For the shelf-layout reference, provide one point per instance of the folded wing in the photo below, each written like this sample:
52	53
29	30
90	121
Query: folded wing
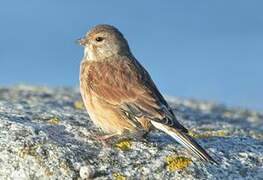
127	85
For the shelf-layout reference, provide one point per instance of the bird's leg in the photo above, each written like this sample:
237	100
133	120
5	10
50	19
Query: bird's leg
104	138
138	136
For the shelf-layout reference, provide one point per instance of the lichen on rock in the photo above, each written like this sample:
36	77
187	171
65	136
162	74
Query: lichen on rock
124	145
174	163
45	133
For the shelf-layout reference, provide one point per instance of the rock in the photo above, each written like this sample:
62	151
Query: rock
46	134
86	172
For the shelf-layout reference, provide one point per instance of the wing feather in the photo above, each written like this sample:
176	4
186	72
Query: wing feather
125	84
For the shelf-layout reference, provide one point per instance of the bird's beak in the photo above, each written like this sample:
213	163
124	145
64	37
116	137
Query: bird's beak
81	41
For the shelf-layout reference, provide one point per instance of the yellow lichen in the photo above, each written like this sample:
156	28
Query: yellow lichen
118	176
174	163
78	105
64	167
48	172
53	121
124	145
221	133
208	134
31	150
256	135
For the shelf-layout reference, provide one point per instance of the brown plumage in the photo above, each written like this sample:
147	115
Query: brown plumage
120	95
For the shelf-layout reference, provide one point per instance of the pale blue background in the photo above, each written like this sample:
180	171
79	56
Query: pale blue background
207	49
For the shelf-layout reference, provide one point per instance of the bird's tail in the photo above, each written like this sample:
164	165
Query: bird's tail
186	140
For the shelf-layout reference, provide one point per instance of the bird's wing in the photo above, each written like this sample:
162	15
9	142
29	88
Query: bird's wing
127	85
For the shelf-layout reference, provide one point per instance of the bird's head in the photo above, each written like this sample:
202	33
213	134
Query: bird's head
103	41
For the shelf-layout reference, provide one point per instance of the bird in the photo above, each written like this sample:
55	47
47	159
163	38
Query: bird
120	95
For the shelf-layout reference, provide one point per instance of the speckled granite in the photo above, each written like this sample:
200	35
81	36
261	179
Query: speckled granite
46	134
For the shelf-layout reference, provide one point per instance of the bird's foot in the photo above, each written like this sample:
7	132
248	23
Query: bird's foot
104	139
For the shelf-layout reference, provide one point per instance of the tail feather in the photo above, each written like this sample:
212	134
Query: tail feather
186	140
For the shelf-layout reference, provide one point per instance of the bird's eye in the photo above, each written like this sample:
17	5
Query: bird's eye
99	39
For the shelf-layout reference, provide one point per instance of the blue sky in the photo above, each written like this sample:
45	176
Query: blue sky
209	50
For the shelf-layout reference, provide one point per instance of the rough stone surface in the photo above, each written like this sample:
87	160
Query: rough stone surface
45	134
